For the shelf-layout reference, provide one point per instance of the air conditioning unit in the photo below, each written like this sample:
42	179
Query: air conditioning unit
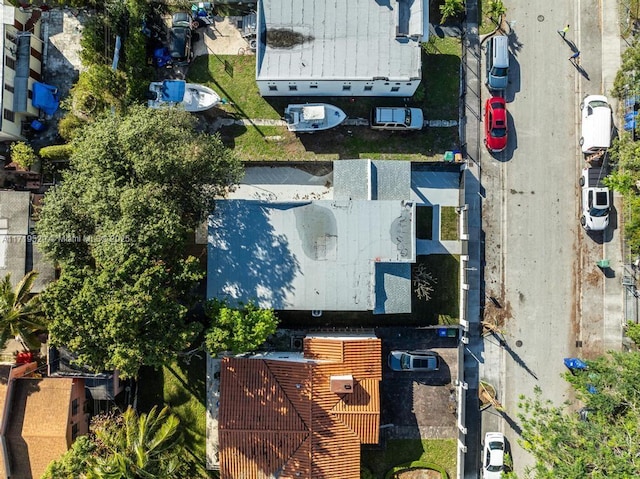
342	384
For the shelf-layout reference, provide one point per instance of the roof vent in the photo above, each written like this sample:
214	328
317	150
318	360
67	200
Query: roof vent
342	384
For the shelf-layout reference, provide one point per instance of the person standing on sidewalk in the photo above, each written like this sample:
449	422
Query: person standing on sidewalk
563	32
575	58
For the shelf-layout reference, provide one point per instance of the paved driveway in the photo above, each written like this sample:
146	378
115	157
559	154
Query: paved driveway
419	405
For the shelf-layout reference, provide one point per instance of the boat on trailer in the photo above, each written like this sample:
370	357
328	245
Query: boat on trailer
178	93
312	117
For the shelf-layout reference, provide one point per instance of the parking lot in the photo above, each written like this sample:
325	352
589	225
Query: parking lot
419	405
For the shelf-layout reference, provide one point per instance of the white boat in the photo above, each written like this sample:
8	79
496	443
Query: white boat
178	93
313	117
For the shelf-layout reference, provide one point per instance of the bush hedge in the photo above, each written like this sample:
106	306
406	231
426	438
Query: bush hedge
56	152
69	125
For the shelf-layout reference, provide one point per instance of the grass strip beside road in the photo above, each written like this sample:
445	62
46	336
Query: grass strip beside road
448	223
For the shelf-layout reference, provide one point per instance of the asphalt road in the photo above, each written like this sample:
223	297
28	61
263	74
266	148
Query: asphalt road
540	264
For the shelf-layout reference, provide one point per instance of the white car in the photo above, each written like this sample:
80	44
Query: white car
596	124
596	202
493	455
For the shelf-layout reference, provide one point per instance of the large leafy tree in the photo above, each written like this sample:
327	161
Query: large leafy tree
20	311
137	187
237	330
131	446
603	445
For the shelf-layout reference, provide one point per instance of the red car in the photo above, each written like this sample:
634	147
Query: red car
495	124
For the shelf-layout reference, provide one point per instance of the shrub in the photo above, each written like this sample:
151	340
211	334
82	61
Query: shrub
92	43
22	154
81	3
97	89
366	473
451	8
138	72
633	332
69	125
56	152
496	9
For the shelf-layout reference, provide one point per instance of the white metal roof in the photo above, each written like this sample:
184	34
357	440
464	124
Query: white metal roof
342	39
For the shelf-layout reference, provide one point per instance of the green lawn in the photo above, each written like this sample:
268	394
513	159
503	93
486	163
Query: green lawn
441	73
448	223
445	297
439	451
182	387
233	77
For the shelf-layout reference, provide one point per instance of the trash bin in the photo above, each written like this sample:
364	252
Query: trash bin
37	125
448	156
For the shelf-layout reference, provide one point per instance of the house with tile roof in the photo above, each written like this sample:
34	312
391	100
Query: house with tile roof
41	417
340	48
300	415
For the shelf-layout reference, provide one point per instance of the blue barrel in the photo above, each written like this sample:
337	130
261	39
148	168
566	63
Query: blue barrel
37	125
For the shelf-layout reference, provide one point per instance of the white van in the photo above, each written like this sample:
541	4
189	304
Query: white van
498	62
596	124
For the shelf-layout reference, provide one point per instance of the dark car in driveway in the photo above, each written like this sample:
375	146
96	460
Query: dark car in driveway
180	38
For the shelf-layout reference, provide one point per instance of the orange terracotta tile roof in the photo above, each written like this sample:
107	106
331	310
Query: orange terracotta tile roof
279	418
4	378
37	428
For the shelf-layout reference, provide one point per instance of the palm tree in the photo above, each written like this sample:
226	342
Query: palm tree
147	446
21	315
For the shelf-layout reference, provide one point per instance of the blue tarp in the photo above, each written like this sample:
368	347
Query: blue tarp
161	56
173	90
575	363
46	98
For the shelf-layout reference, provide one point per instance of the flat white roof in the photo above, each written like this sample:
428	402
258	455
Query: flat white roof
340	40
306	255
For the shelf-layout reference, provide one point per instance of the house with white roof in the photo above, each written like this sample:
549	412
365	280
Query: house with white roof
341	48
351	250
